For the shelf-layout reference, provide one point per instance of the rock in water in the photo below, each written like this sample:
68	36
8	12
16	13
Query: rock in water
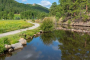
7	46
17	46
22	41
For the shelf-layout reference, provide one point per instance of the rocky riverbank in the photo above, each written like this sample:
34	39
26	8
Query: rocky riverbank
74	22
20	44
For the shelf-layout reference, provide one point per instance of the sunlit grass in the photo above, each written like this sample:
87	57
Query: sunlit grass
12	39
10	25
16	15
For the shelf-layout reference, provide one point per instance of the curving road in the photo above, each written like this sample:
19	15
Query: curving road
18	31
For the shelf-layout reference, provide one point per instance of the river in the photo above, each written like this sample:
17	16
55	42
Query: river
58	45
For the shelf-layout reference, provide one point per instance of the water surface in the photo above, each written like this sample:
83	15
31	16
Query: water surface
58	45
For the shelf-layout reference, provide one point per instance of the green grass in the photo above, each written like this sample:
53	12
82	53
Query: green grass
16	15
10	25
12	39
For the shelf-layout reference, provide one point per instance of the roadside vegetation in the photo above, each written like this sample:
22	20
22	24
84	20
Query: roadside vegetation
10	25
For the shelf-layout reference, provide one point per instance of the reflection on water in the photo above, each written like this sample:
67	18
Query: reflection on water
58	45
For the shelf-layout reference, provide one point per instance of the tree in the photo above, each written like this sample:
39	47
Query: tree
5	15
53	9
11	15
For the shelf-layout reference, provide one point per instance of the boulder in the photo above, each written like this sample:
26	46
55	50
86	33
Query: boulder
17	46
11	49
22	41
34	34
41	31
7	46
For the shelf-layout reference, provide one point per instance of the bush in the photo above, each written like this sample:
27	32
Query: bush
17	18
47	25
33	20
2	48
85	17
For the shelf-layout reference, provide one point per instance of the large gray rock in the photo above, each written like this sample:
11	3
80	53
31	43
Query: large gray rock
17	46
22	41
7	46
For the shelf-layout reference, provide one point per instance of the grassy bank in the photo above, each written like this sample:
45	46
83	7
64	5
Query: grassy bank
14	38
10	25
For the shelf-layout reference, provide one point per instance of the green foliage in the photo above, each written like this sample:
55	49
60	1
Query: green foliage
58	16
33	20
47	25
11	25
42	15
33	15
16	7
70	9
11	15
5	15
17	18
85	17
10	7
12	39
69	22
53	9
2	48
28	14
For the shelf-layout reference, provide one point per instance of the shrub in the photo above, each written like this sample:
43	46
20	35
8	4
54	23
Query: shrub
2	48
85	17
17	18
33	20
47	25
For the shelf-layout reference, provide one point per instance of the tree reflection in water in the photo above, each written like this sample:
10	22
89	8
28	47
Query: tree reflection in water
75	46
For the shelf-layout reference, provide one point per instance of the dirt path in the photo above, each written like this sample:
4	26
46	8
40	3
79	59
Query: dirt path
18	31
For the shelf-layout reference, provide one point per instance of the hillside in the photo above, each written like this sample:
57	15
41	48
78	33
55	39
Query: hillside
16	7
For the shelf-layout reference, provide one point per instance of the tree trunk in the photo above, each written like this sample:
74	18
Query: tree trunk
86	6
74	7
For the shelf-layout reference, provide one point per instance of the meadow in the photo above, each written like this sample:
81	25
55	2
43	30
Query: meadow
10	25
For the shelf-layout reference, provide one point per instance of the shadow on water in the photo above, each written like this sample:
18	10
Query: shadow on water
58	45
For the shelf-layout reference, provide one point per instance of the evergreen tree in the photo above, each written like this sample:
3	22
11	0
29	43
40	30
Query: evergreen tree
53	9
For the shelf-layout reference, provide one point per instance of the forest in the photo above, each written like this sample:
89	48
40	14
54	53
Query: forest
10	7
72	10
77	10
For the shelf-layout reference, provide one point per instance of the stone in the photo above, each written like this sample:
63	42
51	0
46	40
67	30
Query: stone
34	34
17	46
38	33
41	31
7	46
11	49
22	41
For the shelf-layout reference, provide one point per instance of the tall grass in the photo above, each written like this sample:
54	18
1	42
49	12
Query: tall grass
10	25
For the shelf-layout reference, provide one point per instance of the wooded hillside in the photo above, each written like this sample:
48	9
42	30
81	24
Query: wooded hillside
14	6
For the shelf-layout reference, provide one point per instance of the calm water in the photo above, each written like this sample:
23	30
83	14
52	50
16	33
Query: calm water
58	45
